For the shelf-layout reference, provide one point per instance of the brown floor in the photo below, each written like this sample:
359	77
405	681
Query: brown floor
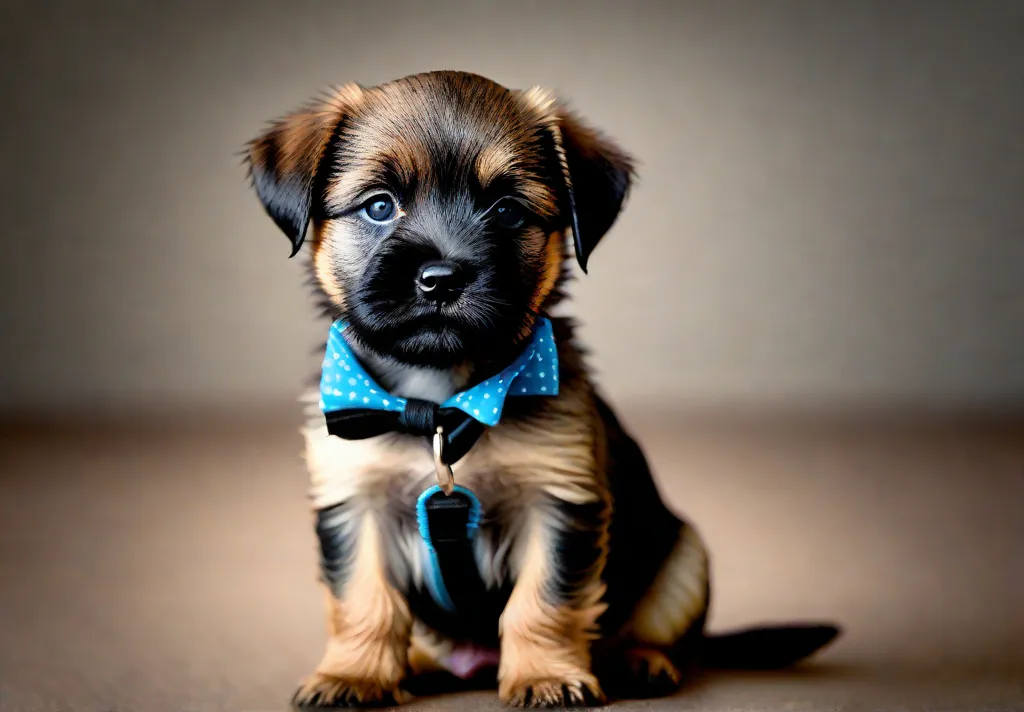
174	570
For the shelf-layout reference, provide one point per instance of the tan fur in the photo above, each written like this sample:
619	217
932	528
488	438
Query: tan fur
305	133
543	647
323	259
343	470
348	186
295	144
493	161
368	632
540	100
384	134
552	449
678	596
554	454
554	256
427	650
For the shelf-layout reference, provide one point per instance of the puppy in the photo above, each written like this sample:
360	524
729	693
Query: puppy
479	508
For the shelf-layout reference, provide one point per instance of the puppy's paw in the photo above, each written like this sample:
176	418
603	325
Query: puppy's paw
321	691
644	673
575	691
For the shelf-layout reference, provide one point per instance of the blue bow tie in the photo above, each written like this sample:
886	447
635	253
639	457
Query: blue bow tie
356	407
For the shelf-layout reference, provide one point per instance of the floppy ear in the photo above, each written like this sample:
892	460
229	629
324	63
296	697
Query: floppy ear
286	163
598	175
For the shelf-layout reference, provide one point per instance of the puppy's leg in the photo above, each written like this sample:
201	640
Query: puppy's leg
368	621
667	625
550	619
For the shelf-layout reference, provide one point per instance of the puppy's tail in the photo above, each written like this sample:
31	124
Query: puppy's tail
765	647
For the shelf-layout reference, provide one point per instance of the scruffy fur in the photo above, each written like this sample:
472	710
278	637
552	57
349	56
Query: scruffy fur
594	587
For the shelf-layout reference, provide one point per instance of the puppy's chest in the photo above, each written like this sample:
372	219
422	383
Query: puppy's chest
389	473
501	488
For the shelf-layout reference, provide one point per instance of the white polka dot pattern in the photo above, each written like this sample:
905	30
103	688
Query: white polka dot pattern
343	382
345	385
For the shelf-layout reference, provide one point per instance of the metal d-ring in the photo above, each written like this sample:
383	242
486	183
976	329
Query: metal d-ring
445	476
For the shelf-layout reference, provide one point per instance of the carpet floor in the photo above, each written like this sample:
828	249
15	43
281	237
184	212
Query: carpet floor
174	569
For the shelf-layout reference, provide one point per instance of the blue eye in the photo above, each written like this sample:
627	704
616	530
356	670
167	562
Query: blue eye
509	214
379	208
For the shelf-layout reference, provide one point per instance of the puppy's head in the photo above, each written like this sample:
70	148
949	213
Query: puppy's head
438	206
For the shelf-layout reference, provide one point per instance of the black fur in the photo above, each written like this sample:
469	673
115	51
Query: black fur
392	316
600	176
447	216
643	530
765	647
337	539
577	548
292	197
476	618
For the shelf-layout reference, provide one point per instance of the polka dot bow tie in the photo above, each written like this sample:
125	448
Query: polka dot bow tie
355	407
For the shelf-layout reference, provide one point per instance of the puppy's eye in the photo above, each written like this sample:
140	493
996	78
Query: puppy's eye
508	213
379	208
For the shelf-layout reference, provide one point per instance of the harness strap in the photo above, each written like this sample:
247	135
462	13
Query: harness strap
448	525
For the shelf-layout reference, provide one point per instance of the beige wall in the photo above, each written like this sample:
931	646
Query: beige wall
831	205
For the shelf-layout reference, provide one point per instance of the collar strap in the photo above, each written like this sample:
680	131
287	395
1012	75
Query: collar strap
420	417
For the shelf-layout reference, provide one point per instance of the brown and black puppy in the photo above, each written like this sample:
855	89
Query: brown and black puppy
437	210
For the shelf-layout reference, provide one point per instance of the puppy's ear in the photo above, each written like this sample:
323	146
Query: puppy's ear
598	175
286	163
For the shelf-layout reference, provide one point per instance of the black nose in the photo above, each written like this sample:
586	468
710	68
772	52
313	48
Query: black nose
440	280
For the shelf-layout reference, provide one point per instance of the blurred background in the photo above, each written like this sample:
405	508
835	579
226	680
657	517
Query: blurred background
811	311
829	207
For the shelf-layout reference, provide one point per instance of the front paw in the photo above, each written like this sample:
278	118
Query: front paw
643	673
580	690
326	691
